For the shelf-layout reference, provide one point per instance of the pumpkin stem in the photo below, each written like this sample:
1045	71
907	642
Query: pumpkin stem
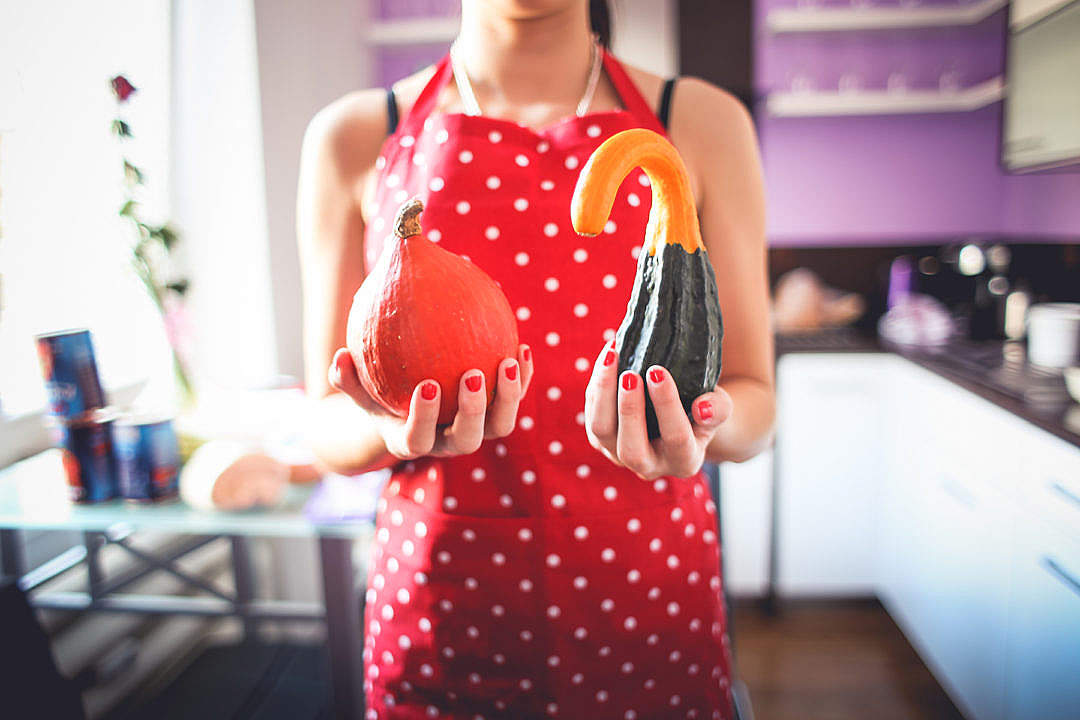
672	219
407	221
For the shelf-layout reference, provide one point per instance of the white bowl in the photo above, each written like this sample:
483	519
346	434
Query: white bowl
1072	382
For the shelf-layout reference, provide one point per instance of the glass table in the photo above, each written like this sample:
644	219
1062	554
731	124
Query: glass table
33	495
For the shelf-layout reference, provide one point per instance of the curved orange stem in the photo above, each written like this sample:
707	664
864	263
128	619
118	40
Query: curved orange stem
672	218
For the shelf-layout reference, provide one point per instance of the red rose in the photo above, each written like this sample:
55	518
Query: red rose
122	88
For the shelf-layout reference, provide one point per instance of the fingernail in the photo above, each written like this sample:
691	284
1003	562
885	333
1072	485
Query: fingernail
527	354
428	391
705	410
511	372
609	357
629	381
656	375
473	383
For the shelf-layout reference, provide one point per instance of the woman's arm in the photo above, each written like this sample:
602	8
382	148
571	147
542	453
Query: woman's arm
715	134
338	156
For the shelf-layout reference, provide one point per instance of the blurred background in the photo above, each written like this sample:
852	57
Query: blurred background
909	547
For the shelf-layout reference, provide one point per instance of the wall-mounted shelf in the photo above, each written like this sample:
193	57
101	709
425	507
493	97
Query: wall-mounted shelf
412	32
837	19
885	102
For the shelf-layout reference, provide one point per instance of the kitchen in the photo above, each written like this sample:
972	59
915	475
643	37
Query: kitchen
924	480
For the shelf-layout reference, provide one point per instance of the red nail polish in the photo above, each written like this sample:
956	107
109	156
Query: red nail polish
629	381
656	375
527	354
609	357
473	383
705	410
428	391
511	372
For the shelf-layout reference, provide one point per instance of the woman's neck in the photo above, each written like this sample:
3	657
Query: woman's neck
517	65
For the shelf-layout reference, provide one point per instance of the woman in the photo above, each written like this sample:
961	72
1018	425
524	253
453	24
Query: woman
539	558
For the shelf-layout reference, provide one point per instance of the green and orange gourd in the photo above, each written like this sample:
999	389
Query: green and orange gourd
425	313
673	317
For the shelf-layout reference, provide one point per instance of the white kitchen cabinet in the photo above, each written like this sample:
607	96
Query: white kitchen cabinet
831	448
1043	652
746	521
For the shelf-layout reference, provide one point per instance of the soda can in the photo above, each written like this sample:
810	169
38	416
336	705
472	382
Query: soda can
70	370
87	446
148	456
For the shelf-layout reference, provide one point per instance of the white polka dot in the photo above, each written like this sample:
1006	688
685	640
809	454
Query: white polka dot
543	146
521	204
401	196
581	364
448	652
583	471
380	162
580	418
419	159
378	223
577	678
675	655
608	334
558	501
407	140
552	339
633	199
675	700
581	310
378	581
633	576
655	544
581	255
551	284
493	182
676	514
593	131
607	555
442	136
708	536
474	678
528	477
522	259
635	251
581	532
444	557
463	207
495	136
434	235
419	494
581	633
498	610
609	281
387	613
654	593
695	625
526	635
383	535
601	696
551	229
505	500
580	582
693	669
449	502
571	162
693	578
610	493
651	640
392	180
501	450
553	560
387	657
403	596
643	180
420	578
392	565
498	559
547	185
432	474
714	583
610	227
630	715
408	548
554	612
465	156
555	447
521	161
526	422
426	670
525	684
424	624
420	529
525	534
660	485
633	525
471	583
478	474
396	518
554	393
472	631
436	184
673	608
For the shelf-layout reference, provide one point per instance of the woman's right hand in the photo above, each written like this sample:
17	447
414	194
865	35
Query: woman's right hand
418	434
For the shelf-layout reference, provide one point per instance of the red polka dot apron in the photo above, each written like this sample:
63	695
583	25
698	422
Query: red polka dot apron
533	578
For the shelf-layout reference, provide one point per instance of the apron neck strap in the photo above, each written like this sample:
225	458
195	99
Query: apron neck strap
428	98
631	97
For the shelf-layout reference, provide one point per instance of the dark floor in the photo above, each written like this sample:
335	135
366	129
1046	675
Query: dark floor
833	661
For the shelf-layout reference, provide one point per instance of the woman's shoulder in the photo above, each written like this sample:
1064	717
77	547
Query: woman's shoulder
695	103
350	130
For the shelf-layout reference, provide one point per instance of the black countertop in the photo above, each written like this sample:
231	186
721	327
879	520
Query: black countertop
995	371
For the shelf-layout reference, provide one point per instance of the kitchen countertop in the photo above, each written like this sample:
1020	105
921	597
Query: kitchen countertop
995	371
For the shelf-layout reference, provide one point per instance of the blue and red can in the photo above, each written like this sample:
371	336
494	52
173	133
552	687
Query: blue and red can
70	370
87	446
148	458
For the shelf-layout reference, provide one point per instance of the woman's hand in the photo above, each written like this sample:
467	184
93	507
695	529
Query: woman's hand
615	420
418	435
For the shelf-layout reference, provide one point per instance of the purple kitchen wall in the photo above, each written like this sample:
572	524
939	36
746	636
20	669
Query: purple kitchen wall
890	179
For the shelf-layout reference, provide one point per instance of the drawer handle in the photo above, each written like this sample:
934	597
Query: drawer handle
1061	574
1067	493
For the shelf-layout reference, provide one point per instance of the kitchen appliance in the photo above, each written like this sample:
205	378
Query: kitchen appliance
1054	334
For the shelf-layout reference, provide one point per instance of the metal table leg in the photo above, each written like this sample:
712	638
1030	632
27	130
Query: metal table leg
344	628
243	578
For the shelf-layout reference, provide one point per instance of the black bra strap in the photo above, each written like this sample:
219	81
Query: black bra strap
664	112
391	112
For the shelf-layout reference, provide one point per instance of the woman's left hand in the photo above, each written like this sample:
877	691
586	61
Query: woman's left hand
615	419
